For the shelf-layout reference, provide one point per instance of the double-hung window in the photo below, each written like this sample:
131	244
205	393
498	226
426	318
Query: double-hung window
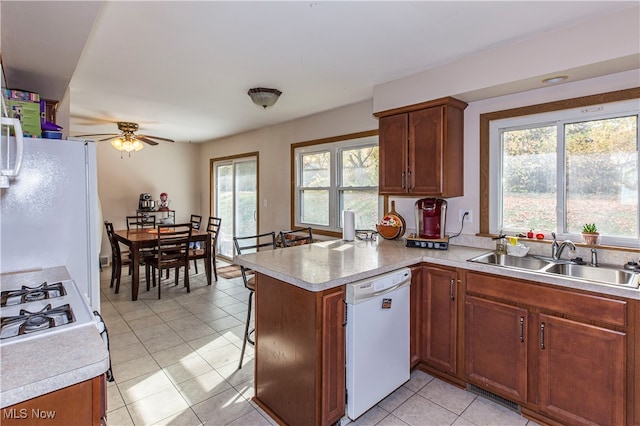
330	177
559	170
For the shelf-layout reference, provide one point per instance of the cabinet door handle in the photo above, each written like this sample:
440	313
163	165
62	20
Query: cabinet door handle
541	335
522	329
452	293
402	183
409	179
344	324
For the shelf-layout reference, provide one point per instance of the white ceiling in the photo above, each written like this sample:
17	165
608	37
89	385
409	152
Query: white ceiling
182	69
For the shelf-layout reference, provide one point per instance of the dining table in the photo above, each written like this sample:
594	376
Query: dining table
138	239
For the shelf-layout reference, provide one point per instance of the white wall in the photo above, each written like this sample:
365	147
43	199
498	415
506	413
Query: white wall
274	145
166	167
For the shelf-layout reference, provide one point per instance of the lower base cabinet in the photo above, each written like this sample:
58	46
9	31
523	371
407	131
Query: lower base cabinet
84	403
559	354
300	353
582	372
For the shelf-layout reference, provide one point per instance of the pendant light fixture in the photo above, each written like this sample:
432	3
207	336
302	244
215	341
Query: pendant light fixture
264	97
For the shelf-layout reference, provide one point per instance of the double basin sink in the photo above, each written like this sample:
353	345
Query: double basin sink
599	274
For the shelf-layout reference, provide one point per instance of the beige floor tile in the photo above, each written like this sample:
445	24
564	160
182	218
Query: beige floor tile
482	411
417	380
225	300
419	411
203	387
228	354
114	399
134	368
211	314
157	407
183	418
448	396
252	418
461	421
175	313
159	343
173	354
235	308
208	343
117	327
225	323
153	329
236	377
127	353
396	399
187	368
137	314
144	386
371	417
222	409
119	417
122	340
391	420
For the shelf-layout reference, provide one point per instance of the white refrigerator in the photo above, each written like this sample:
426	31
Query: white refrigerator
49	214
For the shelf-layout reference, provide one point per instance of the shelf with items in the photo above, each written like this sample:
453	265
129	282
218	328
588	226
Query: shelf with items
162	216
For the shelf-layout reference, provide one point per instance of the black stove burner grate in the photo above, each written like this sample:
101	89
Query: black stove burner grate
30	294
28	322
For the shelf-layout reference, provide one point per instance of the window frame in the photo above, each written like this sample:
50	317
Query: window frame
335	145
489	170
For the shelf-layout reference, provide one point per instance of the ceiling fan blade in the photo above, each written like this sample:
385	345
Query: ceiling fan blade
109	138
156	137
97	134
146	140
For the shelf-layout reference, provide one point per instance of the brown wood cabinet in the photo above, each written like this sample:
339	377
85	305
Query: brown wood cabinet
496	353
421	149
561	354
415	310
439	318
84	403
300	352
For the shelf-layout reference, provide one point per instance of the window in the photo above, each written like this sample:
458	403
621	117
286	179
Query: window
558	170
335	175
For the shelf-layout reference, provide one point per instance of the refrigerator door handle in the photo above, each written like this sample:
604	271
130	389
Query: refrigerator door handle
15	123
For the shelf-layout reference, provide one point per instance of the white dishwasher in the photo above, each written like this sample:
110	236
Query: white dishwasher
377	339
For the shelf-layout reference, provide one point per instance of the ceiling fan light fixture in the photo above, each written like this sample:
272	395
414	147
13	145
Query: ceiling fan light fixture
264	97
117	144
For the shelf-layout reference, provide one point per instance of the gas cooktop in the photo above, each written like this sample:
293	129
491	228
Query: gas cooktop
31	311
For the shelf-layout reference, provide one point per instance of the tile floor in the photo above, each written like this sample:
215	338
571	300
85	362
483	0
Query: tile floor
175	363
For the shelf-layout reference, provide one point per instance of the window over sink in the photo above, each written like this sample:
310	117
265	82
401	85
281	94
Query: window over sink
557	169
336	174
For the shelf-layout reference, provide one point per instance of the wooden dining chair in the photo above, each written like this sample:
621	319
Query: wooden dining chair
173	252
119	258
141	221
196	253
245	245
296	237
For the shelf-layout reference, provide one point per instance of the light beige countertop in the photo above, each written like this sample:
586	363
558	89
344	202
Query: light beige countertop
328	264
35	367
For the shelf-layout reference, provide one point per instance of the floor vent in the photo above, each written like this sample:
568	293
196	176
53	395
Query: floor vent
493	397
104	260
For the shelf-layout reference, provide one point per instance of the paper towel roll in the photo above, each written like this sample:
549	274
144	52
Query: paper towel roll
348	225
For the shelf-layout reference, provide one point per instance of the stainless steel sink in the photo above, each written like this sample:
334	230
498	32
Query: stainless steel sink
527	262
599	274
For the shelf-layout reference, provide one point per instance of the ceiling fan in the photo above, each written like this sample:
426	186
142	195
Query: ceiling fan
127	140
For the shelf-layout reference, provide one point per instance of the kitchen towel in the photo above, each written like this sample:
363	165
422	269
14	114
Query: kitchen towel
348	225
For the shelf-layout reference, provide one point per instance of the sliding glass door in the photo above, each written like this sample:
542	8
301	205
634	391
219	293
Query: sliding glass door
235	200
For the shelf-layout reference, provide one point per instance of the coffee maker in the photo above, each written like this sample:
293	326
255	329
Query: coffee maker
146	204
431	215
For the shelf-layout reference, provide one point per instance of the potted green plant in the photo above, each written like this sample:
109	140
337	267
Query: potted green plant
590	233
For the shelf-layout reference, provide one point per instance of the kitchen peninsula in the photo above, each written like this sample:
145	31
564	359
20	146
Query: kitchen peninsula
300	337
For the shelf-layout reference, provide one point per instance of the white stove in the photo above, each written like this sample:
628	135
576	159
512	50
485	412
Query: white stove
30	311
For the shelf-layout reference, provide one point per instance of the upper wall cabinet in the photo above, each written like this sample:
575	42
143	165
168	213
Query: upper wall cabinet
421	149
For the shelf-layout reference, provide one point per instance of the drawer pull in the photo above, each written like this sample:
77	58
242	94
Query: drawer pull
541	335
402	183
